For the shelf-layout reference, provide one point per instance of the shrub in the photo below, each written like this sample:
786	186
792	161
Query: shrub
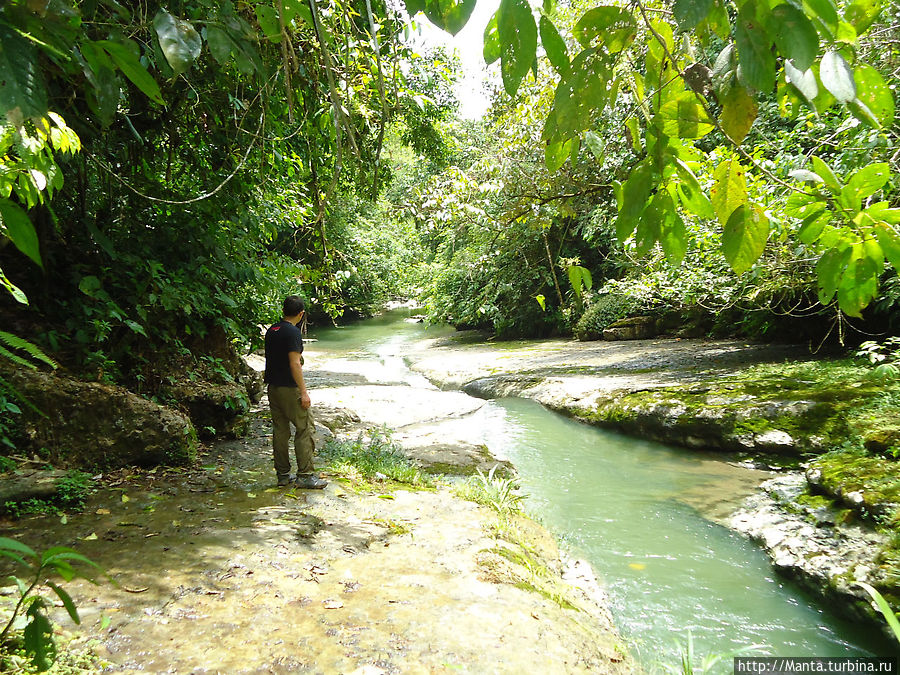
603	311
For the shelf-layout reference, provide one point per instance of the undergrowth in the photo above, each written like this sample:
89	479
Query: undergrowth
373	461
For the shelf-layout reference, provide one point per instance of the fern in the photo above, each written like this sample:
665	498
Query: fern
15	342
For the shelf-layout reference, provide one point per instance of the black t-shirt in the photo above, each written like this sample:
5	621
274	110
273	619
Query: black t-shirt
281	339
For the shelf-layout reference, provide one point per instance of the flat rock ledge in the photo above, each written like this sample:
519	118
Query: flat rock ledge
630	387
824	557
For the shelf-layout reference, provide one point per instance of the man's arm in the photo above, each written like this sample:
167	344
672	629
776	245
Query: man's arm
297	372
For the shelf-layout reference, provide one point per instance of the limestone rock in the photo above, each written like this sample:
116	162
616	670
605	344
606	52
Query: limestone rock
213	408
633	328
98	425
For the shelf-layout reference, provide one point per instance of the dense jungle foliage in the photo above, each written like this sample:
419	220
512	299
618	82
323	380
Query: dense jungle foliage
727	167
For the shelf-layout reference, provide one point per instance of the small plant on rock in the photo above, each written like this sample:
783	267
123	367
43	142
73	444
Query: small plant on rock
492	490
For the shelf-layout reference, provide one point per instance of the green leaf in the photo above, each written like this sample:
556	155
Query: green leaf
542	301
730	189
90	285
754	48
672	233
744	238
813	224
837	77
691	194
518	42
491	41
858	286
554	47
723	72
635	193
268	21
131	67
862	13
803	80
872	92
614	26
794	34
556	152
739	111
136	327
829	270
826	11
890	243
66	601
7	544
33	351
38	638
595	145
17	293
684	117
21	83
688	13
868	180
578	96
579	277
220	45
634	133
178	40
17	226
823	170
450	15
882	211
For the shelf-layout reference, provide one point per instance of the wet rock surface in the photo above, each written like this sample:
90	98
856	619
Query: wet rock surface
629	387
228	573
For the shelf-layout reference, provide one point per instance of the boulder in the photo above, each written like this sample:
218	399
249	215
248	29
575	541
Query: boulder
215	409
632	328
91	424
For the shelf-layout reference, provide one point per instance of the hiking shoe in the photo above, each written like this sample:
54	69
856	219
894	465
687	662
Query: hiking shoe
284	480
308	481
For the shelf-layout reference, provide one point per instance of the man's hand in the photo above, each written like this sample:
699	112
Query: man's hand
305	403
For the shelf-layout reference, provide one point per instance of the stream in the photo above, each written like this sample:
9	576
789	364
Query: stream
642	514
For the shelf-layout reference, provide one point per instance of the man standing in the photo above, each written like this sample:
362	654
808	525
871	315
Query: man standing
288	398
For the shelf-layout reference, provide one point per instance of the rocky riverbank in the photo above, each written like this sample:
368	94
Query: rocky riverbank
768	405
219	571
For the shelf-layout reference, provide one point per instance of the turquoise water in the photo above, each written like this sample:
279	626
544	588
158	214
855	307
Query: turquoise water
634	509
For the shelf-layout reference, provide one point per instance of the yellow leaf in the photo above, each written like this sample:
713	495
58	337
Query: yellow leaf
637	566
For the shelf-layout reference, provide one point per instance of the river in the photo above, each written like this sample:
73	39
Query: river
639	512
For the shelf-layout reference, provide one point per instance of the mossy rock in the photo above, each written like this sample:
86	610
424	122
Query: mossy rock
89	424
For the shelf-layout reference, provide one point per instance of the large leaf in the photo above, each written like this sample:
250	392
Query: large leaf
578	96
823	170
803	80
730	189
556	152
268	21
129	64
450	15
21	85
99	69
685	117
858	285
688	13
220	45
178	40
554	46
875	95
868	180
672	232
739	111
491	49
890	243
754	48
829	271
837	77
17	226
518	42
635	193
614	26
794	35
744	237
9	544
861	13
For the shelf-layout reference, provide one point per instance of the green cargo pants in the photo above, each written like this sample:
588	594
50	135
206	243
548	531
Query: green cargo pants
284	402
